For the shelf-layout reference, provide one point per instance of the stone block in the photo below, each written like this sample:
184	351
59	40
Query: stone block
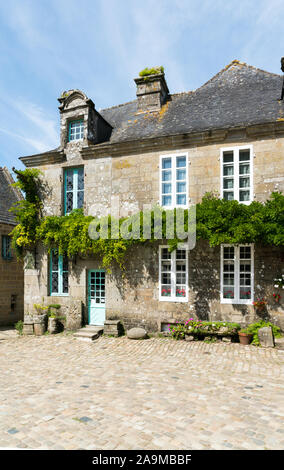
39	329
28	329
136	333
266	338
189	338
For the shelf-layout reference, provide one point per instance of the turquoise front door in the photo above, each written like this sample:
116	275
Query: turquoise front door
96	296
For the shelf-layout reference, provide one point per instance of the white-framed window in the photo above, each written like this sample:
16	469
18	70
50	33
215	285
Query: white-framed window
174	180
237	274
173	275
237	173
76	130
59	271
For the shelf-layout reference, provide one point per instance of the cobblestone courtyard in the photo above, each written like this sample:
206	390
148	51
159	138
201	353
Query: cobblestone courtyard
60	393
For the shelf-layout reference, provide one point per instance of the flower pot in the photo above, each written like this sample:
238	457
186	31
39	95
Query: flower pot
245	338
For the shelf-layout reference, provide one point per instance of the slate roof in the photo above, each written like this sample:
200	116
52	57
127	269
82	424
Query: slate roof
8	196
239	95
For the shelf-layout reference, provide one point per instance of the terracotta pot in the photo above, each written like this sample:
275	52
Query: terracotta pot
245	338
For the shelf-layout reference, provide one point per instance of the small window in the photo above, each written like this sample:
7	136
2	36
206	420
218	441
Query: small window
58	274
236	174
174	181
76	130
6	247
173	275
237	274
73	189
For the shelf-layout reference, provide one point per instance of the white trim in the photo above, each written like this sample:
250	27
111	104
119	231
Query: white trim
174	181
237	300
173	277
236	188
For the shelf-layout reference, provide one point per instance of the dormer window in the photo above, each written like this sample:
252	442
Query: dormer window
76	130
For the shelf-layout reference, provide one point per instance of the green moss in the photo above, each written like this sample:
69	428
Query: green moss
151	71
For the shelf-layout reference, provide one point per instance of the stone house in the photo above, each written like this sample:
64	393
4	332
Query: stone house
11	270
227	137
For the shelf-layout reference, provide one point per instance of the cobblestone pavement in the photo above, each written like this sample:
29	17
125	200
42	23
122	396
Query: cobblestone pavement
60	393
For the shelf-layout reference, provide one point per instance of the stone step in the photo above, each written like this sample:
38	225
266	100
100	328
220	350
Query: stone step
89	333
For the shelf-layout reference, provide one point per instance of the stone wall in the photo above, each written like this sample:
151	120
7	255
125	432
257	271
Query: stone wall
131	182
11	285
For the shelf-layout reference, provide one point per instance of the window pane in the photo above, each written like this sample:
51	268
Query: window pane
228	195
244	195
54	283
245	293
69	202
180	254
80	179
166	200
166	278
166	290
166	175
228	183
181	187
228	157
180	278
65	283
166	254
166	163
229	252
244	155
228	293
54	261
181	174
244	182
181	291
181	199
228	279
69	180
80	200
228	170
244	168
181	162
166	188
245	252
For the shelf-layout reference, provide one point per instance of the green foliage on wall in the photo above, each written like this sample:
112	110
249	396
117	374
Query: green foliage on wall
217	221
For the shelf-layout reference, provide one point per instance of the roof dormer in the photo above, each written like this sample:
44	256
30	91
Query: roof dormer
80	123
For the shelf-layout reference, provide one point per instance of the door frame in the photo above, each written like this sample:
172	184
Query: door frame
89	271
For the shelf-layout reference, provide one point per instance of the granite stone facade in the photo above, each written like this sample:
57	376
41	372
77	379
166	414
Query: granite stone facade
122	173
11	270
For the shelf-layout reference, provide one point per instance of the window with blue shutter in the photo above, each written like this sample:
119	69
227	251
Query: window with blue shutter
73	189
6	247
76	130
58	274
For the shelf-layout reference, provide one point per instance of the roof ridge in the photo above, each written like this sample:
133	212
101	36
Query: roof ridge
231	64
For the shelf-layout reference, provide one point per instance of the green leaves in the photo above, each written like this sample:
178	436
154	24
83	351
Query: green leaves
217	220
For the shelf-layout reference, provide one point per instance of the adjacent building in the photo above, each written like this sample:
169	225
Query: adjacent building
169	149
11	270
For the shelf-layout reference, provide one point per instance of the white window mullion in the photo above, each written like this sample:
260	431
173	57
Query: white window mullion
237	274
173	273
236	175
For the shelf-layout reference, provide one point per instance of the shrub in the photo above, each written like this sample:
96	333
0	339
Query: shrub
253	328
200	328
19	327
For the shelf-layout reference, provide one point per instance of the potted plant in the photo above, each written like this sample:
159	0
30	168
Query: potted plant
245	336
259	305
53	319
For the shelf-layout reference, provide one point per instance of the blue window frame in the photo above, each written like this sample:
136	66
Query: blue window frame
58	274
6	247
76	130
73	189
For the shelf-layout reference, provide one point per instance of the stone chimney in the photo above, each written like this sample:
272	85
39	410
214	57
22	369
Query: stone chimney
152	92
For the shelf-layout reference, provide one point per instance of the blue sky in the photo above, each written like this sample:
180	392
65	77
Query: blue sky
99	46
